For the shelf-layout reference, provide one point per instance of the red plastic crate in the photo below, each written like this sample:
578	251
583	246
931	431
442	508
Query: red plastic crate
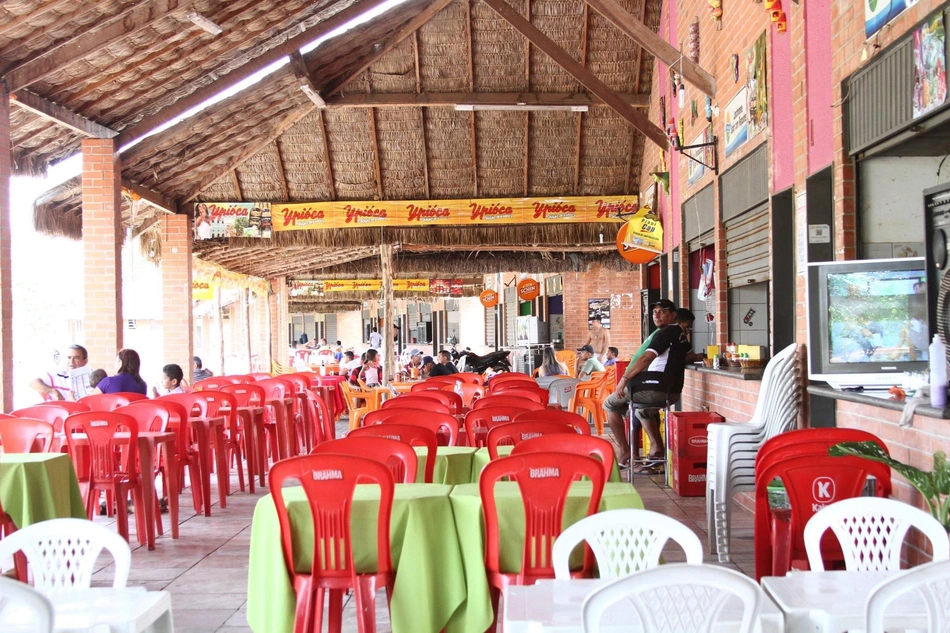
688	432
689	476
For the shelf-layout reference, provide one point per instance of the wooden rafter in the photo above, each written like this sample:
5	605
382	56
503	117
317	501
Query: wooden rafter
660	48
471	90
630	148
299	68
371	113
587	78
284	125
527	48
448	99
58	114
580	120
238	75
422	114
280	170
39	11
527	143
474	160
415	59
326	155
153	197
237	185
381	48
119	27
638	74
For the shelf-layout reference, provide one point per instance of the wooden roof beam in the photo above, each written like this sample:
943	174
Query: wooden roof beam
326	155
381	48
660	48
43	9
58	114
280	168
636	118
238	75
151	196
449	99
119	27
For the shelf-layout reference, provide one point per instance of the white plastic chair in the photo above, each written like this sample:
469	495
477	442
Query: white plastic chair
63	553
15	595
624	542
732	447
676	598
871	532
931	581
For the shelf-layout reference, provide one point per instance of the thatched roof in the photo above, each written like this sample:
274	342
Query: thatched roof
134	64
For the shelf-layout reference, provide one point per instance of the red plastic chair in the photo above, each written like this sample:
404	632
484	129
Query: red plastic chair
110	401
501	380
233	431
412	402
470	378
445	426
514	433
72	407
812	480
8	527
111	465
478	422
470	393
251	395
312	376
195	407
449	398
556	415
216	382
508	401
276	390
540	396
507	385
53	414
411	434
588	445
258	375
329	482
323	430
398	456
26	435
544	480
432	384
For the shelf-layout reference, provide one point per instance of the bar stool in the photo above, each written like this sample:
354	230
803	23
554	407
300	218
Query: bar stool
634	427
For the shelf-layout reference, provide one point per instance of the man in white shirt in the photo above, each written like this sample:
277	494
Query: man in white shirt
349	363
57	384
375	339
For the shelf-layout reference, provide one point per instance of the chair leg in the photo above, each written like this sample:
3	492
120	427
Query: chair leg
336	611
495	593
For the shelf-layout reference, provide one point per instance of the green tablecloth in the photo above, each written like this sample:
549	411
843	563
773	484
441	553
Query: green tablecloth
429	586
481	459
475	615
35	487
453	465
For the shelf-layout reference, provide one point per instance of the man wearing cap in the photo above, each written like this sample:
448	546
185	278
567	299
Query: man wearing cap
648	358
415	361
587	363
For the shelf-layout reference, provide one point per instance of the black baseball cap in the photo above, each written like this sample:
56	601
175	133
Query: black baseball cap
586	348
666	304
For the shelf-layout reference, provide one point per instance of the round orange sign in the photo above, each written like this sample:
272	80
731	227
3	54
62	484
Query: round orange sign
528	289
489	298
632	255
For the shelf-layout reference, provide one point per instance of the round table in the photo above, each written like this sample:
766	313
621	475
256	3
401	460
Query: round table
36	487
453	465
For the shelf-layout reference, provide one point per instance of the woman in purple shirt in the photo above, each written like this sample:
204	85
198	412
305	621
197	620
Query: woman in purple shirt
127	377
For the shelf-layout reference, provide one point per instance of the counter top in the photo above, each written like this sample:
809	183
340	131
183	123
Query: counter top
875	399
737	373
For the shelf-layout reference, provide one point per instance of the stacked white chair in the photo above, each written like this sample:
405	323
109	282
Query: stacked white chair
29	604
931	581
730	458
624	542
871	532
677	597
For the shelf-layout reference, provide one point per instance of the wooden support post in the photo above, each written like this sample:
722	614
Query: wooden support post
386	272
219	314
247	327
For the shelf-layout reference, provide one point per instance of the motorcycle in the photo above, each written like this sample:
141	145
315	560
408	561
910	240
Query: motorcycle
496	361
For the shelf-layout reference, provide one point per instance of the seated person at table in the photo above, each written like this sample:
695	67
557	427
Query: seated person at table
587	363
172	375
96	376
199	373
550	365
127	378
428	364
415	361
444	366
349	363
612	354
370	374
56	384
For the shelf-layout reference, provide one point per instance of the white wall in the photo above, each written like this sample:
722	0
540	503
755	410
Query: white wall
349	328
891	203
472	324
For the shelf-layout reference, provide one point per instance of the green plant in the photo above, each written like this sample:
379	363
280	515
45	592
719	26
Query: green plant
933	485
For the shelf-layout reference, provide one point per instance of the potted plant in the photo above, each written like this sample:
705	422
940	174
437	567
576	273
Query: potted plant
934	485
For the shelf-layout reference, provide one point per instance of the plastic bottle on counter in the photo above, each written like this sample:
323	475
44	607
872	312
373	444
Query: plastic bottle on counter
938	373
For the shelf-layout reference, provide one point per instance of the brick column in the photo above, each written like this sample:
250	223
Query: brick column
6	280
177	320
102	244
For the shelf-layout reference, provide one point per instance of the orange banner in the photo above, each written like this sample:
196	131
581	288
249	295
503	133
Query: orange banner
304	217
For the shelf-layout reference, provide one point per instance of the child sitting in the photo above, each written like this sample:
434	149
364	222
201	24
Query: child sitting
95	376
172	376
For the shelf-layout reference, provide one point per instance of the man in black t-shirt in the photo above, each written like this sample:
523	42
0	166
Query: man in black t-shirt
444	367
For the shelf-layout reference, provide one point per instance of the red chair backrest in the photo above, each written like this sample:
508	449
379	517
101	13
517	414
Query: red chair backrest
109	401
216	382
412	402
177	414
151	415
812	480
318	412
517	402
328	482
556	415
246	395
218	399
508	385
195	404
72	407
445	426
470	393
276	388
478	422
399	457
312	376
300	383
501	380
50	413
411	434
100	428
26	435
449	398
540	396
575	444
544	480
432	384
514	433
258	375
470	378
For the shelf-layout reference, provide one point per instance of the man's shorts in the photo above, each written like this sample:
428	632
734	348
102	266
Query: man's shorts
658	399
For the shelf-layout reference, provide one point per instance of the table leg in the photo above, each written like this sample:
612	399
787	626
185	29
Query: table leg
204	463
250	446
147	469
172	485
221	464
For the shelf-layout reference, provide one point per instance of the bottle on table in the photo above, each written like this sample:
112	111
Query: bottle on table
938	372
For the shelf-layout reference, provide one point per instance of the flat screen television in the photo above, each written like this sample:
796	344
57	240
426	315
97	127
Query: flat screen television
867	321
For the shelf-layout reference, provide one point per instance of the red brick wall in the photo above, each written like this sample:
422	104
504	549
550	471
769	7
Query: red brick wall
599	283
102	242
177	320
6	281
730	397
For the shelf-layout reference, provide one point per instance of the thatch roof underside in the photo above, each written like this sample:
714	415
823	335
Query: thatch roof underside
134	63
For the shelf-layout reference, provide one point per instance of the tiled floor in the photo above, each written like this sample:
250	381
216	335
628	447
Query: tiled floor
206	568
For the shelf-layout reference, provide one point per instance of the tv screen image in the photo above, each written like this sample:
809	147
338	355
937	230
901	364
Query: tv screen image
877	316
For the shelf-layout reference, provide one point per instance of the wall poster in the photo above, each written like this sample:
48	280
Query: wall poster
598	308
877	13
737	121
757	83
930	66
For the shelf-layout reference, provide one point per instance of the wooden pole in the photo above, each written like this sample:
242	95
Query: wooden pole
386	270
247	327
219	313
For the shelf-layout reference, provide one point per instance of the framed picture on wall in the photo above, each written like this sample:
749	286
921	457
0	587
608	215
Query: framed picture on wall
598	308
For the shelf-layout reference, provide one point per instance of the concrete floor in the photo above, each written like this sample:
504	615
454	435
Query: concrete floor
206	568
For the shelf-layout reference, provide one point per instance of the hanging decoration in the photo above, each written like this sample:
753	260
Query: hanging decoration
692	41
641	238
715	8
528	289
777	15
488	298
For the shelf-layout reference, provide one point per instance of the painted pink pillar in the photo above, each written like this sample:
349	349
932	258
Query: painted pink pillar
819	87
783	125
